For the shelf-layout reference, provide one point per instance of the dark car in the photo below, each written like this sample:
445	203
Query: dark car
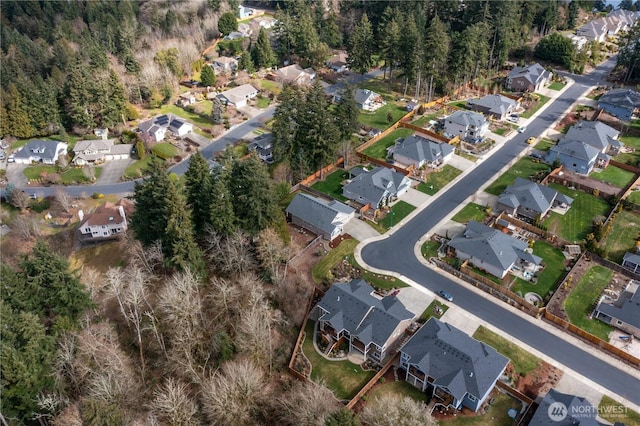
445	295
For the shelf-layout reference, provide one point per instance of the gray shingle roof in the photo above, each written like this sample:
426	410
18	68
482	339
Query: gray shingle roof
324	215
595	133
625	98
579	411
351	306
497	104
467	118
421	149
455	360
362	95
530	195
41	148
373	185
626	308
491	246
576	149
532	73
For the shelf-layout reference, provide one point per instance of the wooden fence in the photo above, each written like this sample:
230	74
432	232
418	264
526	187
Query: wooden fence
514	392
628	167
325	170
552	238
366	158
316	293
613	266
424	131
582	186
366	388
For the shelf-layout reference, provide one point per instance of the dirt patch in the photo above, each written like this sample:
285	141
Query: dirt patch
537	382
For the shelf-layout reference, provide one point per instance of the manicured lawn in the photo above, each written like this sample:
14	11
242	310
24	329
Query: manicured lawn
613	411
383	282
468	156
625	231
544	144
378	119
496	416
430	249
399	388
631	158
615	176
379	149
263	102
523	361
524	168
501	131
71	176
193	118
425	119
578	221
344	378
165	150
332	184
137	169
271	86
321	269
553	261
634	197
529	112
399	211
458	104
432	311
471	211
438	180
580	302
557	85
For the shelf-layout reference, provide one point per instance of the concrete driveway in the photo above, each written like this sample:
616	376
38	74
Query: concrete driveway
360	230
112	171
415	197
15	174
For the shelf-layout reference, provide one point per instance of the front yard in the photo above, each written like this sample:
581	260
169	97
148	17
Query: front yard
138	168
399	211
580	302
547	280
615	176
609	410
378	118
437	180
471	211
557	85
535	107
544	144
321	270
70	177
625	231
525	168
523	361
379	149
332	184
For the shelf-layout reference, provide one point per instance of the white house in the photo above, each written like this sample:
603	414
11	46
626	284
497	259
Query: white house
156	128
106	222
368	100
92	151
469	126
37	151
238	96
245	12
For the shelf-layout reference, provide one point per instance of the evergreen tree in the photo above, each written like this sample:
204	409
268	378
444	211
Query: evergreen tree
18	123
409	50
221	215
346	113
115	102
217	110
78	98
574	13
389	43
208	76
361	46
629	54
227	23
285	122
262	53
436	51
149	220
556	48
246	62
198	183
330	33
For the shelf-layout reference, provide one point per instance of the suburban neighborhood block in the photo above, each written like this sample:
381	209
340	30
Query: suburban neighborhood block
531	200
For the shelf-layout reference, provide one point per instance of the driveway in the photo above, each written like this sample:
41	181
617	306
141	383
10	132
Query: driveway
112	171
460	163
15	174
415	197
360	230
415	300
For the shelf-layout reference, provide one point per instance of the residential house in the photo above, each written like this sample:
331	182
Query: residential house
40	151
233	35
623	313
99	151
238	96
368	100
102	133
621	103
378	187
295	74
265	22
469	126
600	136
156	129
418	152
263	146
595	30
531	200
186	99
323	218
497	106
528	79
626	18
245	12
631	261
370	324
107	221
493	251
563	409
453	368
576	156
338	62
225	65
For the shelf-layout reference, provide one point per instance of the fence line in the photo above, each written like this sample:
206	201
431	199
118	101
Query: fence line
316	292
372	382
327	169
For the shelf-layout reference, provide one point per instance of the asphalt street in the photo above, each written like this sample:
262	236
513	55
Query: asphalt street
396	253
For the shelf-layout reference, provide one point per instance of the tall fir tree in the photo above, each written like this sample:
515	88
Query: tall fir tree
208	76
221	217
149	221
262	53
18	123
198	185
361	46
346	113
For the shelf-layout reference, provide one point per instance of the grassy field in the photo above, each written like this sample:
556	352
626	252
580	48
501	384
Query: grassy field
580	302
609	409
631	158
100	257
321	269
431	311
615	176
553	260
332	184
458	104
625	231
496	416
578	221
399	388
165	150
399	211
471	211
344	378
523	361
137	168
557	85
379	149
524	168
634	197
544	144
378	119
438	180
529	112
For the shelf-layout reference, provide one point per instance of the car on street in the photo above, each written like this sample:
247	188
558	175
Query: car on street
531	140
521	129
445	295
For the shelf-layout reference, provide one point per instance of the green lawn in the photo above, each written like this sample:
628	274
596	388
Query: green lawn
263	102
383	282
332	184
197	119
523	361
553	261
430	249
438	180
524	168
496	416
321	269
613	411
529	112
165	150
378	119
380	87
632	158
344	378
625	231
72	176
399	211
544	144
471	211
615	176
271	86
501	131
458	104
578	221
425	119
137	169
634	197
580	302
432	311
557	85
399	388
379	149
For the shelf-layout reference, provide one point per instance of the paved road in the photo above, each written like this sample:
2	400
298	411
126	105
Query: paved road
395	253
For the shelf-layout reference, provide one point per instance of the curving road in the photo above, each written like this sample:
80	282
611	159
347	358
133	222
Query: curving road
396	253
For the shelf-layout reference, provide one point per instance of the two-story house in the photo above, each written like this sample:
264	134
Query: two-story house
418	152
531	200
108	221
325	218
497	106
528	79
377	188
467	125
40	151
99	150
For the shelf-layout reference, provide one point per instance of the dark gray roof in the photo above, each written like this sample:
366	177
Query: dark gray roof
576	149
631	257
496	104
624	98
532	73
454	360
42	148
167	121
492	246
626	308
322	214
264	141
579	411
467	118
362	95
352	307
594	133
531	195
373	185
421	149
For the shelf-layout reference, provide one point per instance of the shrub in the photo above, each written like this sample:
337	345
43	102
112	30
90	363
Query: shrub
97	196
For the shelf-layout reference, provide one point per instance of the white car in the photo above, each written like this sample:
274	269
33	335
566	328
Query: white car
521	129
11	159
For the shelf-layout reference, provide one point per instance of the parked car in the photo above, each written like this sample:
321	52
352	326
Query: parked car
531	140
11	159
445	295
521	129
514	118
2	155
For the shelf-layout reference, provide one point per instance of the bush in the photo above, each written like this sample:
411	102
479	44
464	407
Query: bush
97	196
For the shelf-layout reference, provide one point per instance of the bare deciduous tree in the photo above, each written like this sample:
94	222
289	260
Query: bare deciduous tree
307	403
148	258
173	404
391	410
272	252
26	227
64	199
20	199
89	171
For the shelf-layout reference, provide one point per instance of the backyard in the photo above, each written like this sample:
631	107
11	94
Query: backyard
398	211
633	157
197	119
378	118
332	184
437	180
523	361
580	302
398	388
615	176
625	231
524	168
430	249
471	211
379	149
321	270
165	150
553	260
425	119
576	223
497	414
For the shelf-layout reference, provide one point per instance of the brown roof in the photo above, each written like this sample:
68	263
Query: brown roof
108	213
